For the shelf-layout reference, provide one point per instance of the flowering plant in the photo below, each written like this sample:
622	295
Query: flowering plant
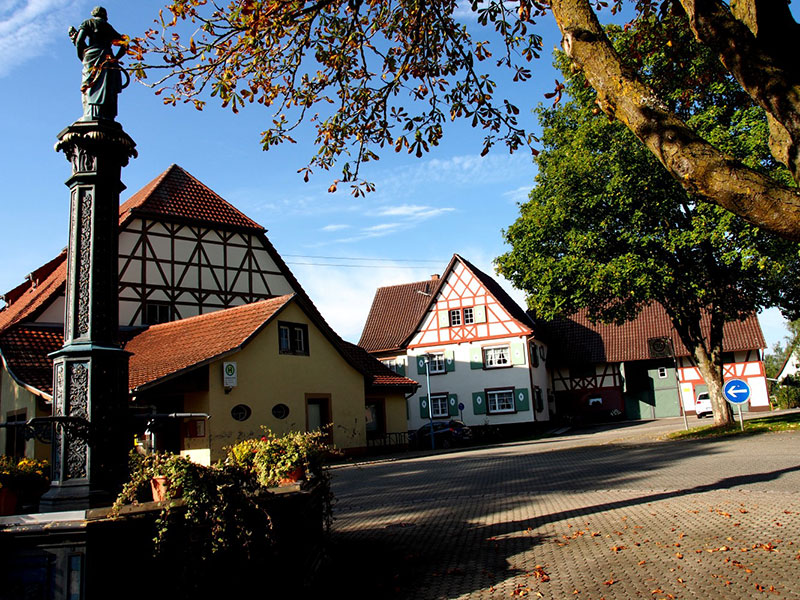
28	473
272	458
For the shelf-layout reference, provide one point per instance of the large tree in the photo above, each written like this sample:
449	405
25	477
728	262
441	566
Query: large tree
608	230
390	73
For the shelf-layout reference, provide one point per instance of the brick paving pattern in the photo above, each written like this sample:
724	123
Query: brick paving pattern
568	519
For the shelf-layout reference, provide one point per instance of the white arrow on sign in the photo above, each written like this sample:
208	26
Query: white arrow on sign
736	391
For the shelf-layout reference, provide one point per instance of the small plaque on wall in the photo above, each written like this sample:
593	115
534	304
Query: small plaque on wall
230	374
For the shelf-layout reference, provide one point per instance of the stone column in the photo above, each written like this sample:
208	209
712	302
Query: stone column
90	372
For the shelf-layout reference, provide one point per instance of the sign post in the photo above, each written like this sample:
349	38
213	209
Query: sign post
737	392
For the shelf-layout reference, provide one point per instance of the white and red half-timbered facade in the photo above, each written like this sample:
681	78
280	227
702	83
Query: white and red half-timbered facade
626	371
485	361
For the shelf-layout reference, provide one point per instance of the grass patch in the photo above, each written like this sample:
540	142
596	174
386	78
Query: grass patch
783	422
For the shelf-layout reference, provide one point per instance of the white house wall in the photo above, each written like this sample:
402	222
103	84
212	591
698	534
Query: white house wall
748	367
194	270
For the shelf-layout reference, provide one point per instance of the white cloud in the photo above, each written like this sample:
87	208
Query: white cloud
413	211
335	227
382	227
518	195
28	27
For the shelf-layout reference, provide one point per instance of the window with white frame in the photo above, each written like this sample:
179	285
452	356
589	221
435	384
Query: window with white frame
436	362
292	338
662	372
496	356
455	317
500	401
469	316
439	405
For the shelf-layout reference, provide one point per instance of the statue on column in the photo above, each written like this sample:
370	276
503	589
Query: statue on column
102	73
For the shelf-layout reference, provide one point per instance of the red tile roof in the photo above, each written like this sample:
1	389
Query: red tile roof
24	350
27	300
378	375
395	313
171	348
576	339
176	194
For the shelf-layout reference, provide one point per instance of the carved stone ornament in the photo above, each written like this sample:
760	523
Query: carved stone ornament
77	447
58	410
95	142
84	240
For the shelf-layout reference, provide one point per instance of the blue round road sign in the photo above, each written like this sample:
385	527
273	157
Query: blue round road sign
736	391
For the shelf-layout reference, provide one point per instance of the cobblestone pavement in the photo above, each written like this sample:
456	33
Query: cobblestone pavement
566	518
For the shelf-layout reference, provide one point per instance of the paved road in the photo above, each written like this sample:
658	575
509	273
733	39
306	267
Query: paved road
604	514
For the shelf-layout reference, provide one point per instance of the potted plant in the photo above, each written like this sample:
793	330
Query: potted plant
281	459
22	482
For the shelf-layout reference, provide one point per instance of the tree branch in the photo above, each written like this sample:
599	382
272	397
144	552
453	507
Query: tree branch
699	167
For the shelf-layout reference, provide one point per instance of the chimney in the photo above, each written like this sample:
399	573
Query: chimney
435	277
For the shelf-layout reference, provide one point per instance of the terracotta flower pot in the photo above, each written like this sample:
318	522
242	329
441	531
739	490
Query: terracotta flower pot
8	501
159	486
294	476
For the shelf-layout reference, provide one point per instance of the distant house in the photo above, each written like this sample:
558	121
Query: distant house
505	367
601	370
201	289
791	366
482	351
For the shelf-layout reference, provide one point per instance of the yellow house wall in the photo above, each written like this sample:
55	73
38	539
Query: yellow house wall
267	378
14	397
396	417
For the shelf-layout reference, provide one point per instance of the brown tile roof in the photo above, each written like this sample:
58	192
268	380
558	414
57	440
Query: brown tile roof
171	348
576	339
176	194
378	375
395	313
397	310
24	350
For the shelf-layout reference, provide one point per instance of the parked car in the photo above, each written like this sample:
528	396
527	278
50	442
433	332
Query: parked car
702	406
446	434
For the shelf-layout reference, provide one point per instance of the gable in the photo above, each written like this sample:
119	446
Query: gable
465	309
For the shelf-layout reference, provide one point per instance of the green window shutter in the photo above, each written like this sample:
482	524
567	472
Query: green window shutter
420	364
475	358
449	361
444	319
424	411
479	313
517	353
452	405
534	355
400	366
522	399
537	394
479	403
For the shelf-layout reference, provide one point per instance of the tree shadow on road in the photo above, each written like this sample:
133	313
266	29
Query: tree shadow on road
419	530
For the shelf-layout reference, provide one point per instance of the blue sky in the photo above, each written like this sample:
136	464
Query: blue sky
424	210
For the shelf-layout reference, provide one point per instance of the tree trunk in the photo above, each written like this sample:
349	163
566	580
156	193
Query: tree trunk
711	371
699	167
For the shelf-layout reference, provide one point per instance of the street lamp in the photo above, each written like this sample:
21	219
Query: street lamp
428	358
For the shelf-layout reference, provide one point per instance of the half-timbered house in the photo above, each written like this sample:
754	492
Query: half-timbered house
481	350
628	371
200	282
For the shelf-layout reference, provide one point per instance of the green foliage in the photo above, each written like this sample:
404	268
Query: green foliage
606	228
273	458
787	393
225	504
